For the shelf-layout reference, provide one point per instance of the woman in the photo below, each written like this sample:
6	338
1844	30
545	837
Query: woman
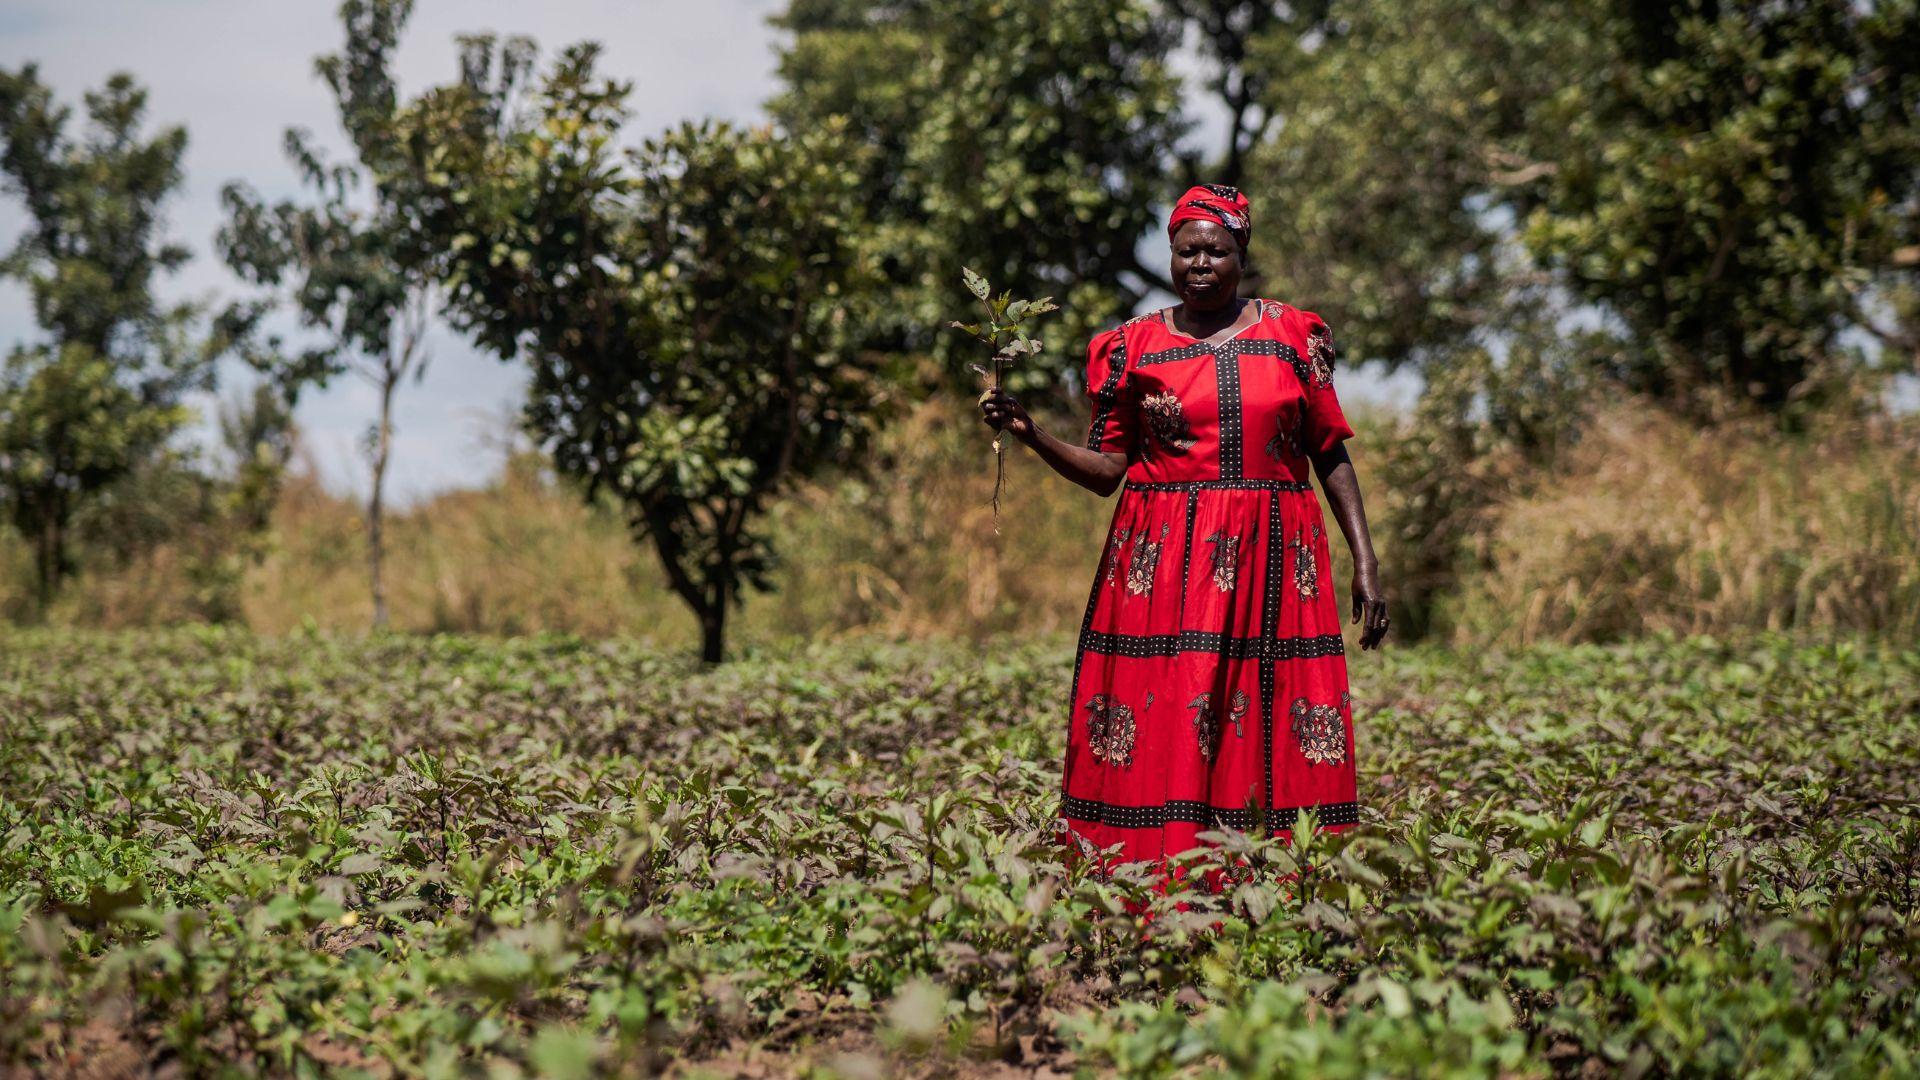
1210	684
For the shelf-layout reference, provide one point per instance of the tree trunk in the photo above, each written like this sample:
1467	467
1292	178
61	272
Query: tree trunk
376	514
50	547
713	634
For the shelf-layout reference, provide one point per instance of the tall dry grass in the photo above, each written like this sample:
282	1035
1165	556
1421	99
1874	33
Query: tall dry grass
1652	524
908	551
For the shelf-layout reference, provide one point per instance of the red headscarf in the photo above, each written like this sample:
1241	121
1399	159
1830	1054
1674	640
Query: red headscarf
1214	202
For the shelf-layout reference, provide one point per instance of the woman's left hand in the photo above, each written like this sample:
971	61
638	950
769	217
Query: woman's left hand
1369	606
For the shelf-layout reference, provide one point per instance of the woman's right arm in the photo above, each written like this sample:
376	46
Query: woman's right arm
1097	471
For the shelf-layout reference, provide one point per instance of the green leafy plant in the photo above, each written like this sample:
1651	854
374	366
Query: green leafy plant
419	855
1005	335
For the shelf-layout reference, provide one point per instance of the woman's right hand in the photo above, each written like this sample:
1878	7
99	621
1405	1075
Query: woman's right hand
1002	412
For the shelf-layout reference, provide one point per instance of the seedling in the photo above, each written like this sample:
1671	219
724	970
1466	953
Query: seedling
1005	335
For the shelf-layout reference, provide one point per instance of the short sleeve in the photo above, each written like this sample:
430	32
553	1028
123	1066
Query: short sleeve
1325	425
1115	412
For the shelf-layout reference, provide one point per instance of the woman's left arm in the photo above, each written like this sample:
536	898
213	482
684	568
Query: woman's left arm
1342	488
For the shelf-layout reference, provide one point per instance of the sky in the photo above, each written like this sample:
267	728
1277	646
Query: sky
237	73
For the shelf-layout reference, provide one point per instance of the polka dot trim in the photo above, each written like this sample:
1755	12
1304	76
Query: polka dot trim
1142	646
1237	484
1301	369
1269	621
1104	397
1186	550
1226	370
1199	813
1184	352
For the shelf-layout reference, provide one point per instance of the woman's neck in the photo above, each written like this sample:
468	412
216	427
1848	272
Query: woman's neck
1204	324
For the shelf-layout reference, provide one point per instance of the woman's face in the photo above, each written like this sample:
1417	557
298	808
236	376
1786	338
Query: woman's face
1207	263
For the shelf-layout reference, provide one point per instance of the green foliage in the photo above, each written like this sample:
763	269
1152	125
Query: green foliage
1736	183
692	310
1027	139
256	431
1732	186
104	389
1228	36
441	854
1396	173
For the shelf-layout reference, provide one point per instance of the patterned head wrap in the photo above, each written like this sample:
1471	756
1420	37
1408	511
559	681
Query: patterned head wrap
1214	202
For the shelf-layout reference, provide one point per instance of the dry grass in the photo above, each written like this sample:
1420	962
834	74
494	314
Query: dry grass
909	552
1649	525
519	556
1653	525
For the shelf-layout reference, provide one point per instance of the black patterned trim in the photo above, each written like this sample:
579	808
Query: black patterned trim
1265	347
1269	625
1230	347
1236	484
1140	646
1105	397
1226	371
1199	813
1186	550
1184	352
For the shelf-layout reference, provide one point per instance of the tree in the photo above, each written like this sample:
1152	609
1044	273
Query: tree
690	310
1230	35
350	270
1402	169
1732	187
1738	185
257	432
104	389
1029	140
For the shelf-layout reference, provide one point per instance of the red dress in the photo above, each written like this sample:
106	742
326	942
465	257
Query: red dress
1210	681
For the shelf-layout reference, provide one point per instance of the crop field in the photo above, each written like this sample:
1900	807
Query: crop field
224	854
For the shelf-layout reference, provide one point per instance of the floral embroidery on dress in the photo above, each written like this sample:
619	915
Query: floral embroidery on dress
1318	730
1113	553
1225	560
1146	559
1111	730
1306	571
1286	442
1166	423
1207	726
1320	354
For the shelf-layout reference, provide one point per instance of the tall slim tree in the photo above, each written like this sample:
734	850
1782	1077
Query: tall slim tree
104	388
345	259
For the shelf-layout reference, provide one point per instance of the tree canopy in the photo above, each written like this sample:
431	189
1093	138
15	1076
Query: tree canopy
691	309
1729	187
1029	140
